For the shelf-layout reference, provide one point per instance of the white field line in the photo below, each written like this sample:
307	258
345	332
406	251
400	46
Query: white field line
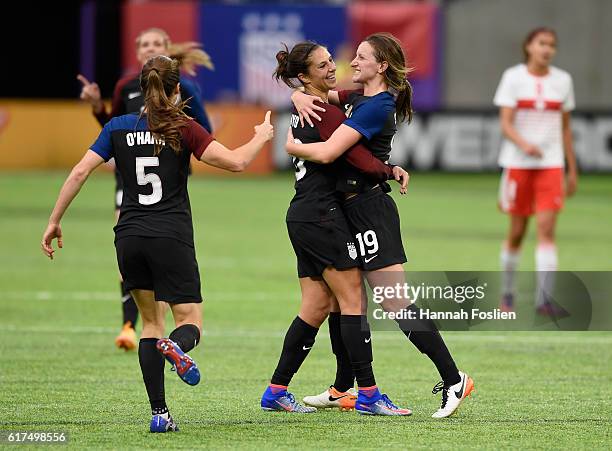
379	335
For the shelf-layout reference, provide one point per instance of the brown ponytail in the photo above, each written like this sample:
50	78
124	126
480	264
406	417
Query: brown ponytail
158	81
189	54
388	48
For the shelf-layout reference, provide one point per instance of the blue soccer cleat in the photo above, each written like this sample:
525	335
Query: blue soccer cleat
160	424
277	398
372	402
184	365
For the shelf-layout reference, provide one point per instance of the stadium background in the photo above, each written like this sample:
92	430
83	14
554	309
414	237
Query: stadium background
58	321
458	56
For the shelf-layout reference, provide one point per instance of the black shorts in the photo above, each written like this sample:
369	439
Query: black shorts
118	189
318	245
164	265
375	223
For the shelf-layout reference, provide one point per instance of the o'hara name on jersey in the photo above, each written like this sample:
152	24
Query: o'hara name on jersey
141	138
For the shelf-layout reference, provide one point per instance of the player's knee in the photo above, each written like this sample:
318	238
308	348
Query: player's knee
315	315
395	305
152	329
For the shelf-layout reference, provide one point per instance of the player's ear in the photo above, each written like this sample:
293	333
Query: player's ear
383	67
176	95
303	78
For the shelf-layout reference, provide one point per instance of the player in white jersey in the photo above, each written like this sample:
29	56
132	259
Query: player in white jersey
535	100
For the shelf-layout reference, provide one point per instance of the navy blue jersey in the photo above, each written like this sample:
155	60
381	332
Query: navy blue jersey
128	98
155	198
316	197
375	119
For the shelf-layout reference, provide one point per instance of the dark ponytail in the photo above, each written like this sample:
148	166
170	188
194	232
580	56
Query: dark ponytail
403	102
291	64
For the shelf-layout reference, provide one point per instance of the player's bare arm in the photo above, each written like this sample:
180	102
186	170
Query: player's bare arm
77	178
306	107
328	151
506	118
237	160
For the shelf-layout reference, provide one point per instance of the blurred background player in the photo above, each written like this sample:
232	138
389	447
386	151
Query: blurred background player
344	72
380	66
127	98
154	234
535	100
327	260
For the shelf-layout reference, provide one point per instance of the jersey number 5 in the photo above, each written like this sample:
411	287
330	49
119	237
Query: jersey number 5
145	179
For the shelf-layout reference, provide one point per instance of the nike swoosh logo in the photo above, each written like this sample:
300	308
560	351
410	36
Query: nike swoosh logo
305	348
368	260
331	398
459	393
133	95
367	340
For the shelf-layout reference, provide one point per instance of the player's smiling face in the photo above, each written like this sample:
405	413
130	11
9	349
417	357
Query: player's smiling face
542	49
150	44
321	71
364	64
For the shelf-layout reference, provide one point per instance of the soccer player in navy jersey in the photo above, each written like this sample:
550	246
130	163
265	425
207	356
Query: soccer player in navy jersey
128	98
154	234
327	260
380	65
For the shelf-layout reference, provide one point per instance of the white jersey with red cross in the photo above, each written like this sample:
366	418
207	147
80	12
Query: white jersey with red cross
539	102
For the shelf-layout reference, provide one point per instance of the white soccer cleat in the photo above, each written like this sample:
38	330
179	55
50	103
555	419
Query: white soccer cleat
332	398
453	396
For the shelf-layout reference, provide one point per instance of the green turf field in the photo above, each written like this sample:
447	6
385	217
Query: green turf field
61	372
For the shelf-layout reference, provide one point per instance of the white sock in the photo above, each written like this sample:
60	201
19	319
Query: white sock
509	261
546	265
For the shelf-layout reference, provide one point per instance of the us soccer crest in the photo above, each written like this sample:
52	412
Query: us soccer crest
348	110
352	250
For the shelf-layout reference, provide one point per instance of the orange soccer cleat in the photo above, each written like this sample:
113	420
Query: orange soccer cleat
127	337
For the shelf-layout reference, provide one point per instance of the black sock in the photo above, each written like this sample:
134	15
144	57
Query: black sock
186	336
358	342
152	367
130	311
299	340
424	334
345	378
